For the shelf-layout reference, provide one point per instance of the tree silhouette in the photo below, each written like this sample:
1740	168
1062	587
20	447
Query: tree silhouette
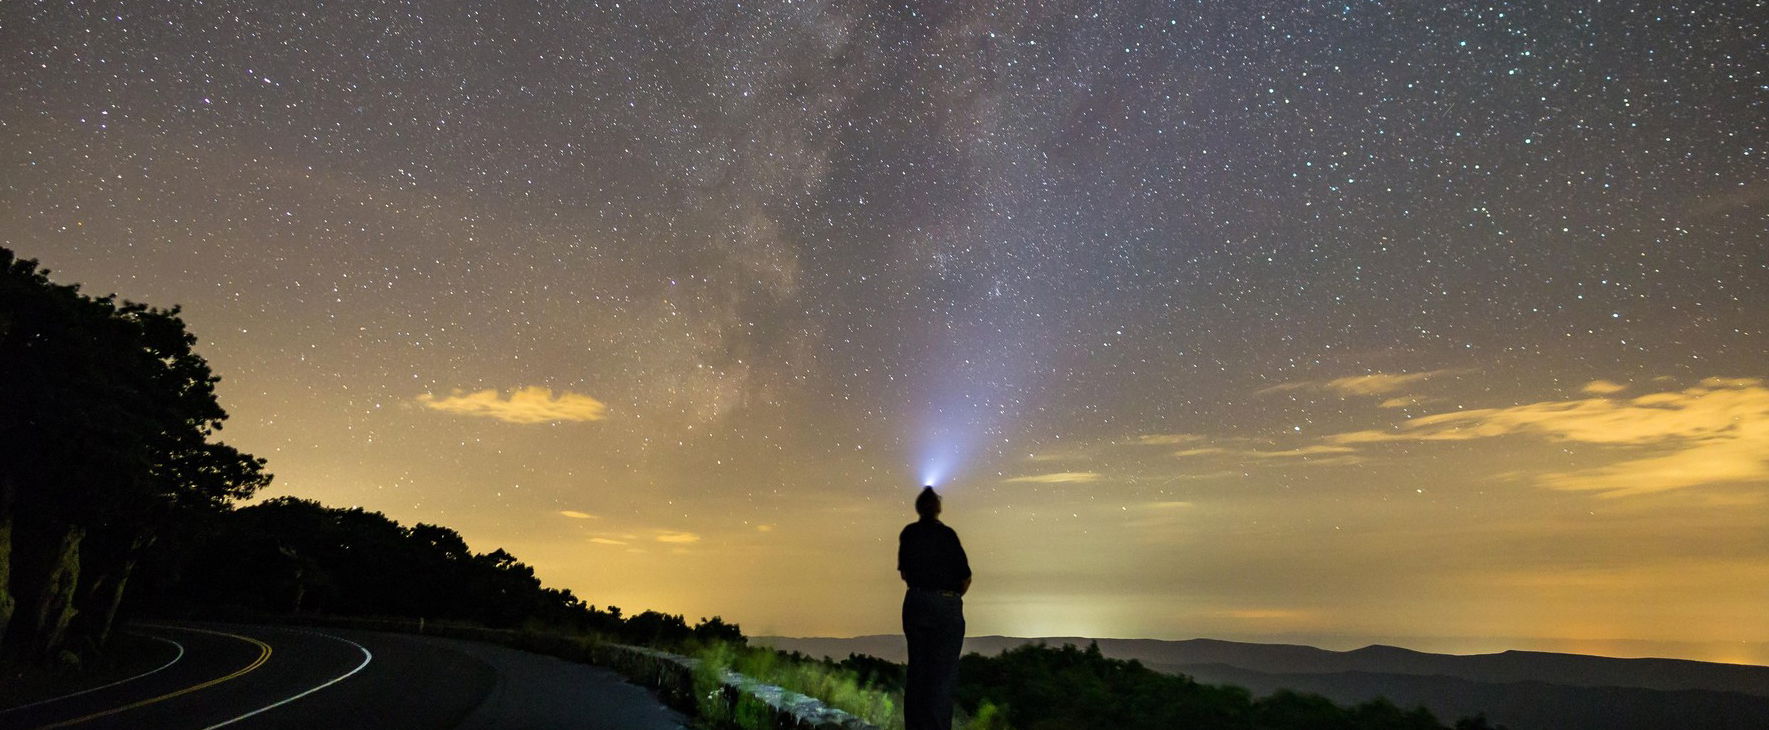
289	555
1044	687
106	427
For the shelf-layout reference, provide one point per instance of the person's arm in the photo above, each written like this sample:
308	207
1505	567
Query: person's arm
963	564
902	548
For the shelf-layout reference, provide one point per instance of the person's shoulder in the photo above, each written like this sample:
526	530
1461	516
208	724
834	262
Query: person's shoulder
925	529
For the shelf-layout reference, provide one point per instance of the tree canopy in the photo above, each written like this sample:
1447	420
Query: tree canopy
1040	687
289	555
108	419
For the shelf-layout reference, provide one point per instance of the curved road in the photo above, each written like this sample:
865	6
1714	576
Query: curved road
233	676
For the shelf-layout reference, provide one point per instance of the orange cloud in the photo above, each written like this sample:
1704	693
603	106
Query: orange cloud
1380	383
533	404
1715	432
1314	450
1406	401
680	538
606	541
1200	451
576	515
1370	384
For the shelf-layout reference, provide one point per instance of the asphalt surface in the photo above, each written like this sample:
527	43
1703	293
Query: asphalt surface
234	676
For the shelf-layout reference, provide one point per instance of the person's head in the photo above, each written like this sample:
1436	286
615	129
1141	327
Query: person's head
927	504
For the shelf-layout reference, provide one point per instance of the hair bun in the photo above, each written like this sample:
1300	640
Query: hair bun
928	502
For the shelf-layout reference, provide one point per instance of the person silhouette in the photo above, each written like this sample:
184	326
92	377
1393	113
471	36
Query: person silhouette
932	562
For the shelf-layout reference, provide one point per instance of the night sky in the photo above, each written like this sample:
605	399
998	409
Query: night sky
1324	322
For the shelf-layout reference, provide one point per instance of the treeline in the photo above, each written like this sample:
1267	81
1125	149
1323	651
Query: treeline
107	444
295	556
1036	687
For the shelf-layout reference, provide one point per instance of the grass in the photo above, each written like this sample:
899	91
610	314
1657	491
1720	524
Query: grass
839	688
836	686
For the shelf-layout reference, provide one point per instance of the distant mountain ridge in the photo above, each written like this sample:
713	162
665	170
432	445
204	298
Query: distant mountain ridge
1527	705
1575	670
1523	690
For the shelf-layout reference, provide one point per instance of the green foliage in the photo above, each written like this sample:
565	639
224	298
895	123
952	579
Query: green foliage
1036	687
876	672
712	700
753	714
840	685
988	717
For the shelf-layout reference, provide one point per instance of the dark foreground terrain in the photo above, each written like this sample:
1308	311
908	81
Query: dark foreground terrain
1519	689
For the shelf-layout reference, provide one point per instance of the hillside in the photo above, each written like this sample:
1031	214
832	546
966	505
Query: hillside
1525	690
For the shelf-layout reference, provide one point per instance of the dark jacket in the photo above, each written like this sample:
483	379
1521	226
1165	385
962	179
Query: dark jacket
929	555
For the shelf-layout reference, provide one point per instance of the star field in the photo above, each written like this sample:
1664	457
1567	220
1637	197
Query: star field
1441	324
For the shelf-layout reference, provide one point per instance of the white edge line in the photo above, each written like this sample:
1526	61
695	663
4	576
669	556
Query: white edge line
366	658
175	658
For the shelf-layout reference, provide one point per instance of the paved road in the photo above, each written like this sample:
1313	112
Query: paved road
255	677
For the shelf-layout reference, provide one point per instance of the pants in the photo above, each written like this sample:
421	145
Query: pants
933	623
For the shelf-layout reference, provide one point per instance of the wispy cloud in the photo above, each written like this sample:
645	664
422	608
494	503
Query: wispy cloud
576	515
1406	401
1370	384
1313	454
679	538
1200	451
1603	387
1380	383
533	404
1061	477
1168	439
1314	450
1715	432
607	541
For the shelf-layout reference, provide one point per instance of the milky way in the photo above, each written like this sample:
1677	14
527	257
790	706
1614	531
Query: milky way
1334	321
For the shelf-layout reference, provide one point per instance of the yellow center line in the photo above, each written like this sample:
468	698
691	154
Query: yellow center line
263	656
